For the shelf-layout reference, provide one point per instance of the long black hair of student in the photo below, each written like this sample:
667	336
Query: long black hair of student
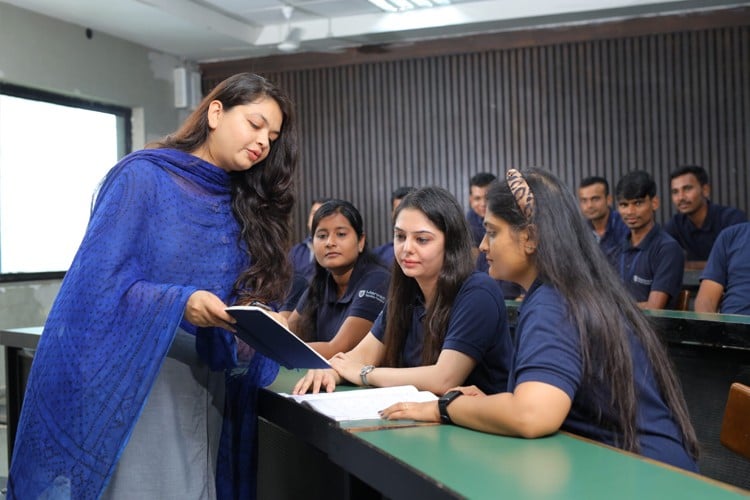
263	196
569	259
316	292
442	209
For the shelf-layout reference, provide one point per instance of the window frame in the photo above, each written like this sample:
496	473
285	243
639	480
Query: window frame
125	145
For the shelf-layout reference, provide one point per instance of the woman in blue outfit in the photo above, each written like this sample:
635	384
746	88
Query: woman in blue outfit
443	325
347	291
127	394
586	359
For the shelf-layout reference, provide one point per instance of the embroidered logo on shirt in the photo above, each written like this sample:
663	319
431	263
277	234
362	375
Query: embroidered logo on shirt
642	281
371	295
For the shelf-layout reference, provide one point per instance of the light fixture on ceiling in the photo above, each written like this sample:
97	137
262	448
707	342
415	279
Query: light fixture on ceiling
293	36
291	42
403	5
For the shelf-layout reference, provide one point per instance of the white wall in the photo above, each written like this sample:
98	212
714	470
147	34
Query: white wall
43	53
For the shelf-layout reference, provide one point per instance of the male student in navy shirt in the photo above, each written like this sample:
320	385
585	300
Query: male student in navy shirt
698	222
725	282
596	205
301	254
650	262
478	185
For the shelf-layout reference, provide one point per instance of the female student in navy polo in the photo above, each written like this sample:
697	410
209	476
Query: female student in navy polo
347	291
586	360
444	324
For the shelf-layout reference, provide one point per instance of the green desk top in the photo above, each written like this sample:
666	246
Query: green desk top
739	319
479	465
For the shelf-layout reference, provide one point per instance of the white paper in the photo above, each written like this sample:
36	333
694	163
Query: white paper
361	404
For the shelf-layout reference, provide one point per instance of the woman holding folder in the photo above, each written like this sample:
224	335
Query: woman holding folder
586	359
443	324
127	390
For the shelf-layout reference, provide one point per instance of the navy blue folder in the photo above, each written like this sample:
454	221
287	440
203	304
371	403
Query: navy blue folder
266	335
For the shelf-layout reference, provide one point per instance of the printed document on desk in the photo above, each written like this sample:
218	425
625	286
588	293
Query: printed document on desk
363	404
261	331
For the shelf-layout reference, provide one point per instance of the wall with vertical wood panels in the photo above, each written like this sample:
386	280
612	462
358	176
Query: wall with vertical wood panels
581	108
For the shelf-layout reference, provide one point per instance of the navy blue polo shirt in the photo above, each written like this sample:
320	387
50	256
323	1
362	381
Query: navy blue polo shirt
385	254
697	242
476	225
729	265
303	258
656	263
547	349
478	328
364	298
614	234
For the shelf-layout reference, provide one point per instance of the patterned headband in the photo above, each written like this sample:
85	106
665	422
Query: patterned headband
522	192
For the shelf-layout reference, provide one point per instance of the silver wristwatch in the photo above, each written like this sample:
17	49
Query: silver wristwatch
363	373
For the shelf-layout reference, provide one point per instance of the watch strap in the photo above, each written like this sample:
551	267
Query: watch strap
443	403
363	374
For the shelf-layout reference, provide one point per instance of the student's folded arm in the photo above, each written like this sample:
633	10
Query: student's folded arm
534	409
451	370
351	333
709	296
656	300
348	365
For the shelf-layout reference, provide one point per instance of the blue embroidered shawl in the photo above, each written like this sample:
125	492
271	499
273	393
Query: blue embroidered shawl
161	228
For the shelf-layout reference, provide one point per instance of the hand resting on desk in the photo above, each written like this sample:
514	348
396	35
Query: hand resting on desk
534	409
423	412
314	380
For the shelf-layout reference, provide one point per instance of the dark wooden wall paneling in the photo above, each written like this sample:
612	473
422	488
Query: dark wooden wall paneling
579	108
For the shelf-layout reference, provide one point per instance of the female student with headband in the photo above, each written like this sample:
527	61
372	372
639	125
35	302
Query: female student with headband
586	359
443	324
127	390
347	291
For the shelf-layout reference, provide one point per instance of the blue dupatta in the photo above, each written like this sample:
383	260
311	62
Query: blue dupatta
161	228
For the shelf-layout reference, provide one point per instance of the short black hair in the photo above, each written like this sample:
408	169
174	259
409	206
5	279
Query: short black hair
595	179
481	179
634	185
400	192
698	171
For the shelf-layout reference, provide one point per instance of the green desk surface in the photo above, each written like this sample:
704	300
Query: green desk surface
739	319
479	465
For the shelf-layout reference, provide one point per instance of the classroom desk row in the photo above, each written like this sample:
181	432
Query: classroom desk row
709	351
303	454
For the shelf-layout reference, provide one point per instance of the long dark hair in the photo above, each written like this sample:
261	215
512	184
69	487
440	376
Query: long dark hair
263	196
442	209
309	315
569	259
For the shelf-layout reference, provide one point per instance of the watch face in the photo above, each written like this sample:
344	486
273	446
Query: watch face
450	396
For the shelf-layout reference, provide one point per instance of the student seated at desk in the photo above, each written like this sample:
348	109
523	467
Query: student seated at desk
347	291
650	261
698	221
725	282
586	359
444	324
